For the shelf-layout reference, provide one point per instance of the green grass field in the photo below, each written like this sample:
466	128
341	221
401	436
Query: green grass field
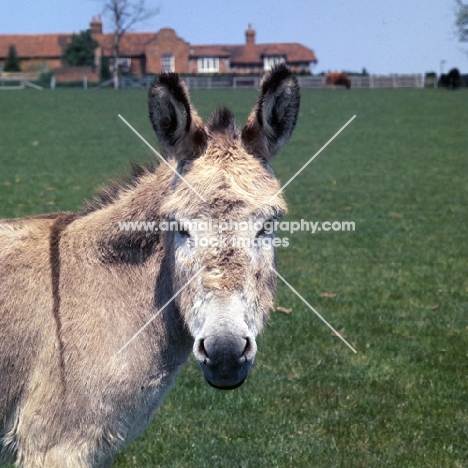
397	287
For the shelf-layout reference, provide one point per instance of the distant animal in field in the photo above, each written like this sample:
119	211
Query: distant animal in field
337	79
96	319
451	80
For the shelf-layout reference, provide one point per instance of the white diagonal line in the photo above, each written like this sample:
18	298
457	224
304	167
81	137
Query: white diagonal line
313	157
160	310
314	311
162	159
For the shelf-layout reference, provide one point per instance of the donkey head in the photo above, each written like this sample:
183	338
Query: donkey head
223	201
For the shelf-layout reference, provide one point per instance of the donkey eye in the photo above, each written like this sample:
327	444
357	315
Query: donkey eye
183	232
266	229
261	232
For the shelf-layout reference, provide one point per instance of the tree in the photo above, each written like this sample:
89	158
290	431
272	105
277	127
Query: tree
12	63
80	50
462	21
125	14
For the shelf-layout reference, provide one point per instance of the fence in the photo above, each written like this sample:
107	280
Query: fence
305	81
17	81
368	81
20	81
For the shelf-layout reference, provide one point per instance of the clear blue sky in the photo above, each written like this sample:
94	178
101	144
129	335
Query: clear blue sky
392	36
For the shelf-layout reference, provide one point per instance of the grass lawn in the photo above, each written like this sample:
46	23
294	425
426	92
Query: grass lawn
396	287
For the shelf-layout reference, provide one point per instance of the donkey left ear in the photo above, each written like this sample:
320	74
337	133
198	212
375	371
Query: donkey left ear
273	118
178	127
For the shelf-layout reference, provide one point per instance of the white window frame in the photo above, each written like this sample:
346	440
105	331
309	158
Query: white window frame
124	64
208	65
167	63
269	61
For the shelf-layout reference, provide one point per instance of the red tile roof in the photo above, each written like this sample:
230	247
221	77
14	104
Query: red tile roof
197	51
292	52
50	45
254	53
34	45
132	44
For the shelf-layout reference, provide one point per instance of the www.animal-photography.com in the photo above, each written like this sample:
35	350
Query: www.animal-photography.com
233	234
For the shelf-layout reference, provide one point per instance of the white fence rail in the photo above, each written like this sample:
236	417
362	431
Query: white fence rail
305	81
17	81
369	81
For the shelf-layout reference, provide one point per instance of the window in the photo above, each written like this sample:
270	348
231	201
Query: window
167	63
270	61
124	64
208	65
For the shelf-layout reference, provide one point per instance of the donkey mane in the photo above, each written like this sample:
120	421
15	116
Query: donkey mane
108	194
221	122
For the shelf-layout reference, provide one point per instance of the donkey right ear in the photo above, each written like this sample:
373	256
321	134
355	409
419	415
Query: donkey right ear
273	118
178	127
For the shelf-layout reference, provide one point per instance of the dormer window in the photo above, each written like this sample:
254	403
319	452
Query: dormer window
208	65
269	61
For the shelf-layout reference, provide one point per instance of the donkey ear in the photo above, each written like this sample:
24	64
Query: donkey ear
273	118
177	125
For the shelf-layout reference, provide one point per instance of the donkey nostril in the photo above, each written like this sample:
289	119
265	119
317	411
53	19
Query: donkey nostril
249	350
227	350
243	356
202	351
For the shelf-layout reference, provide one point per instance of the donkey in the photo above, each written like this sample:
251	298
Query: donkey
75	288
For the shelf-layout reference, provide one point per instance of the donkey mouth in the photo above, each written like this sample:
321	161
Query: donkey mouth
227	387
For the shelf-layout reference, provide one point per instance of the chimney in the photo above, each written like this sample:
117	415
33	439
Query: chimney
250	35
96	25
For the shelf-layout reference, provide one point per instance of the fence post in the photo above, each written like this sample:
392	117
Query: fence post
85	82
52	82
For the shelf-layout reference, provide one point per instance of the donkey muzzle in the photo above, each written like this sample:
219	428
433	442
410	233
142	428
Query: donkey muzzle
225	360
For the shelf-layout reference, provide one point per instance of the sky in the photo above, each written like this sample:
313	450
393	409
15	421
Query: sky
391	36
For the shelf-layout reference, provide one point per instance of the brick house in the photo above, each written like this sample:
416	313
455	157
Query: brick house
35	51
249	57
148	53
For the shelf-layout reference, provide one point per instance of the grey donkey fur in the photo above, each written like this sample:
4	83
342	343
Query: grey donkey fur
74	288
